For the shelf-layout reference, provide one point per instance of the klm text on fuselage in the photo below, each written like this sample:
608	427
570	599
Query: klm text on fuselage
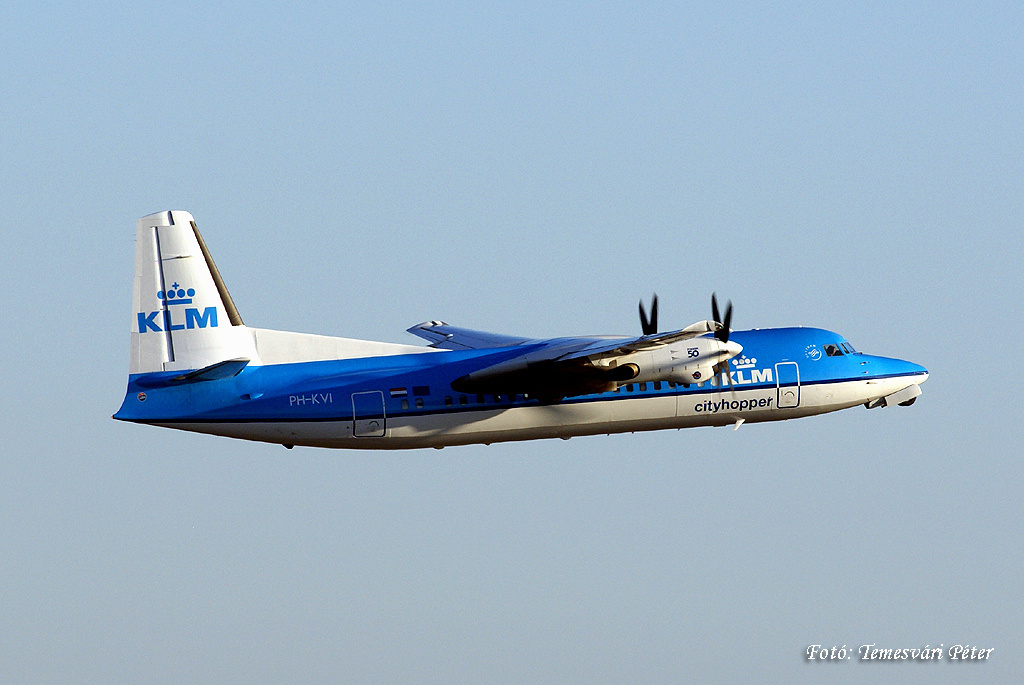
739	378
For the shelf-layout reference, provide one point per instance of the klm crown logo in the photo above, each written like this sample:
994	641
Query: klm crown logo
176	295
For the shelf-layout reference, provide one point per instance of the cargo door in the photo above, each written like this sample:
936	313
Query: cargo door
368	414
787	382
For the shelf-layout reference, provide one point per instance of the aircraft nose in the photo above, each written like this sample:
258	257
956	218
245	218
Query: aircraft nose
888	366
905	368
919	370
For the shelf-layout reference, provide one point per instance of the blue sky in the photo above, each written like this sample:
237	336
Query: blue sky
532	168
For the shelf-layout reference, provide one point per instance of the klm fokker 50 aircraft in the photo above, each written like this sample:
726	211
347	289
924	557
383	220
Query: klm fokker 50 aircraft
197	367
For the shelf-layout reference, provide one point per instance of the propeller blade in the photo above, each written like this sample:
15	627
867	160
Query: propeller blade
724	337
649	326
722	333
720	369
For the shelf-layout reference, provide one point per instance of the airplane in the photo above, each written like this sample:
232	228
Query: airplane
195	366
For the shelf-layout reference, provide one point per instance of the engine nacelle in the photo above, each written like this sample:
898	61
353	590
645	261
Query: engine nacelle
689	361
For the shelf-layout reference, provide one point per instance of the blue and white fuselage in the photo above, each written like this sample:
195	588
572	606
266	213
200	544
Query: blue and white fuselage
196	367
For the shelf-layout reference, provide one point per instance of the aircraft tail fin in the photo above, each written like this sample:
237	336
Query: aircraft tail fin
183	317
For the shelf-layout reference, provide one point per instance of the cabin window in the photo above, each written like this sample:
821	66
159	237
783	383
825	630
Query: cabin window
480	399
463	399
447	401
643	386
629	387
405	404
419	403
657	385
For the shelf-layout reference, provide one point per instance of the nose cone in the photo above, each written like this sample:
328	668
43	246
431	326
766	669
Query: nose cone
905	368
888	367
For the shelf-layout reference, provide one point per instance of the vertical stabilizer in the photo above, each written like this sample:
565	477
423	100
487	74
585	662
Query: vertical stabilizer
182	317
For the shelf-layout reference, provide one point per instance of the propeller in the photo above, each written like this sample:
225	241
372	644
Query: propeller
649	326
722	334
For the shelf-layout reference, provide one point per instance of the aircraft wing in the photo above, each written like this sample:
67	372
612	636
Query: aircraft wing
551	368
621	347
445	337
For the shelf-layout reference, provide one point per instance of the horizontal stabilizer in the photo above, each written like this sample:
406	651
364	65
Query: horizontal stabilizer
214	372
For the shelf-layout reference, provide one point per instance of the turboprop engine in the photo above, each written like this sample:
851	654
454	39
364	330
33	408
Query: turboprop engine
689	361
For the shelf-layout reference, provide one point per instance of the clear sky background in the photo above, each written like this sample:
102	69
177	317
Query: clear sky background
529	168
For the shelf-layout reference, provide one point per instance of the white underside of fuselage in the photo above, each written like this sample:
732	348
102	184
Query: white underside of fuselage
613	413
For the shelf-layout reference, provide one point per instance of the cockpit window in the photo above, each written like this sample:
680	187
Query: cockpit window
833	351
848	347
